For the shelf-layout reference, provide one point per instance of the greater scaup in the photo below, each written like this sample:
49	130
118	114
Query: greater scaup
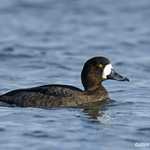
95	71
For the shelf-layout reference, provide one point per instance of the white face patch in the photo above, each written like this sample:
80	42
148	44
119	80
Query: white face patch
107	71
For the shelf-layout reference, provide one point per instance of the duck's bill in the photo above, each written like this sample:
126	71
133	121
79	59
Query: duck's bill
116	76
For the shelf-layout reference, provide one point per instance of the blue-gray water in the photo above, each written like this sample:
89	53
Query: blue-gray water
48	41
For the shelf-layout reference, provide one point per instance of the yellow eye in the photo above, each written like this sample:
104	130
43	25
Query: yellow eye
100	65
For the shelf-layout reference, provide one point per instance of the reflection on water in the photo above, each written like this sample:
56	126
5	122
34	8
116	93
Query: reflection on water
48	41
95	110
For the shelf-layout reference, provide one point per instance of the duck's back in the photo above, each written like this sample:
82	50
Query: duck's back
43	96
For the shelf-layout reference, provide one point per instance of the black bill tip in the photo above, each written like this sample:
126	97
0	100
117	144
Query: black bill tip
125	79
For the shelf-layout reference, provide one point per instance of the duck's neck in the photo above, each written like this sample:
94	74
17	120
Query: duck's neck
91	86
91	83
94	87
97	91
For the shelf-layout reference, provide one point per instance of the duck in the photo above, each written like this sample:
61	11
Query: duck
94	72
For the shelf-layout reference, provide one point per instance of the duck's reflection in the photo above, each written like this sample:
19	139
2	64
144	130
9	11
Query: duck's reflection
95	110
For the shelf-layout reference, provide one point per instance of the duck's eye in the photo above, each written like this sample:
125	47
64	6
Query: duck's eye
100	66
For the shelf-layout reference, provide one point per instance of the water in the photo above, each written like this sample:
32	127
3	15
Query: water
48	41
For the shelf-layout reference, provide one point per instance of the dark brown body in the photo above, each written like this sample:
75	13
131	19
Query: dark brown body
54	96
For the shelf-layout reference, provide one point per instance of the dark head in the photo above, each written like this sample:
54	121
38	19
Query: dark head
96	70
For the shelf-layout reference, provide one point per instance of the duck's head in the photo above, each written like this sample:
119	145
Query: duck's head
98	69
